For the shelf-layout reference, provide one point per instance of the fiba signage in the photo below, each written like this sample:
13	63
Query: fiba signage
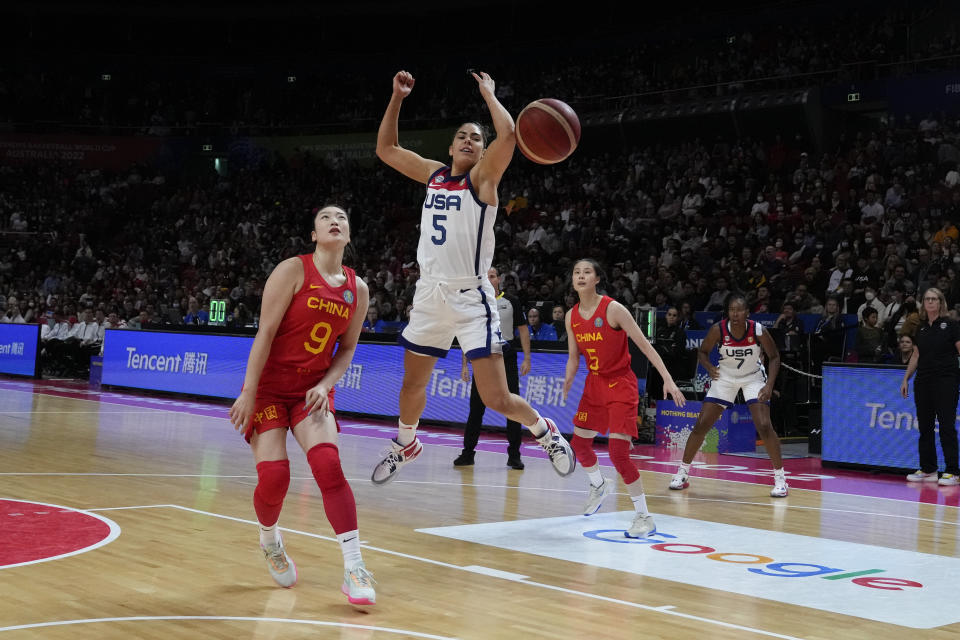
214	365
19	347
865	419
867	581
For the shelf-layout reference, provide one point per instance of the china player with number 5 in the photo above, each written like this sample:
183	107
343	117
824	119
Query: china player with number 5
598	327
310	319
453	297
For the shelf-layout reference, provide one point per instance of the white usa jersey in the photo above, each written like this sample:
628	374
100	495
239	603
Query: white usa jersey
456	229
740	357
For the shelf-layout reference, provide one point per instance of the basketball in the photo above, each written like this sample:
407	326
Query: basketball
548	131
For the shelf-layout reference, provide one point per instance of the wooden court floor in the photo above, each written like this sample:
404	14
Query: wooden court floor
481	552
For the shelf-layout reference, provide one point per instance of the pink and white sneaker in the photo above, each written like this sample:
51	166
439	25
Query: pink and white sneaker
358	585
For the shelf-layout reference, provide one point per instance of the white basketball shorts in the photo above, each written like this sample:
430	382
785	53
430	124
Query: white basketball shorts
724	390
462	308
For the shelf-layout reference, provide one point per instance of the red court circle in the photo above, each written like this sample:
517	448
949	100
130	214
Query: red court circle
36	532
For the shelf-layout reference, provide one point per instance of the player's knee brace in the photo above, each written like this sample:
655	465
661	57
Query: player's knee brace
620	456
338	501
324	460
583	448
273	480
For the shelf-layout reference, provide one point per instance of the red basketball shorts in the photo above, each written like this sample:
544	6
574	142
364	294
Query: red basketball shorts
281	400
609	404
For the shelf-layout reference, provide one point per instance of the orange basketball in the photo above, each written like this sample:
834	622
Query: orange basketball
548	131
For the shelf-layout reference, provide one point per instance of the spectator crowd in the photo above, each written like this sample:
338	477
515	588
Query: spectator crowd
860	229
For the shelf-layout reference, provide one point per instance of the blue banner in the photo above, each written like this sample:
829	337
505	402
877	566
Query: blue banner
19	346
372	385
194	363
214	365
865	419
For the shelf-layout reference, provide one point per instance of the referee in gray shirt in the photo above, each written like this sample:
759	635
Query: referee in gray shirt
512	319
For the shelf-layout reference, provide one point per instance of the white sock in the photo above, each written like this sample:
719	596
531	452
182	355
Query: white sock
407	433
596	478
350	547
538	428
640	503
780	474
684	467
269	535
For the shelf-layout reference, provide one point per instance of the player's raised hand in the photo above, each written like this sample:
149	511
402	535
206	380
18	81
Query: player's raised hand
403	84
670	389
485	82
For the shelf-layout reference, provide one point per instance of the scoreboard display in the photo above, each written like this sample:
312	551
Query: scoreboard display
218	313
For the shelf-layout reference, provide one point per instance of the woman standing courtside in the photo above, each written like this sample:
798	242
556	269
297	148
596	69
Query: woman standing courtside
310	304
934	359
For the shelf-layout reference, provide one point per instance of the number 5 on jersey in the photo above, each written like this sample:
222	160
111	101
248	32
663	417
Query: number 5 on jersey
437	219
593	360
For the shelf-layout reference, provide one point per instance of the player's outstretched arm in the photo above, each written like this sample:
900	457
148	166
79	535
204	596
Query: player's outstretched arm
619	317
498	155
407	162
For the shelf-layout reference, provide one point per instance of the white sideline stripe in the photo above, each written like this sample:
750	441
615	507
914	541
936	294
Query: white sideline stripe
359	423
316	623
10	413
124	475
660	609
139	506
776	505
666	609
495	573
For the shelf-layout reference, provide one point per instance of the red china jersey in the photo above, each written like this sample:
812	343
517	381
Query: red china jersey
603	347
316	318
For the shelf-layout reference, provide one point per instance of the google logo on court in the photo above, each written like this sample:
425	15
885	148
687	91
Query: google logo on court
770	567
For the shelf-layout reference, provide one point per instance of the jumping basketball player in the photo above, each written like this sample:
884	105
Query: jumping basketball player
598	327
454	298
310	304
741	342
